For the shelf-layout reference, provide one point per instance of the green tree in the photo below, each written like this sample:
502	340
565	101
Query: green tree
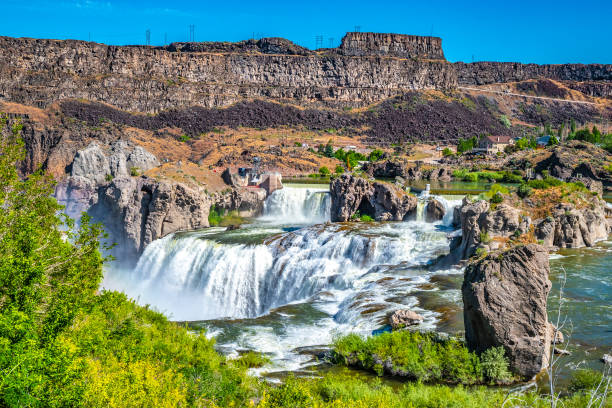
572	125
339	169
329	149
553	141
447	152
375	155
49	271
324	171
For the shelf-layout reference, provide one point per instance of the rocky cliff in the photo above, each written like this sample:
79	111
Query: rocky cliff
397	45
38	72
481	73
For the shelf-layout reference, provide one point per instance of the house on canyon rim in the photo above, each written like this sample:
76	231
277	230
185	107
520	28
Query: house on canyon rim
494	144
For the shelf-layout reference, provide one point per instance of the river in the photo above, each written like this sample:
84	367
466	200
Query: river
289	281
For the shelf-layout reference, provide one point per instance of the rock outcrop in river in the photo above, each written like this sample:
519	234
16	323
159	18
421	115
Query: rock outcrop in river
504	298
567	226
379	200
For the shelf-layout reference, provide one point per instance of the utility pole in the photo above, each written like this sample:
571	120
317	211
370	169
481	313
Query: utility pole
148	35
318	41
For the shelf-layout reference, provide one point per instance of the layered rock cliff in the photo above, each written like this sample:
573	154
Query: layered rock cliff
485	72
38	72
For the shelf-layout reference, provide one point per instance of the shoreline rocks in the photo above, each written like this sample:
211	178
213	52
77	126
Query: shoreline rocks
404	318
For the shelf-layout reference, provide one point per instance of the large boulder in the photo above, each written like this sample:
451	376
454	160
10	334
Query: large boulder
504	298
434	211
385	169
381	201
404	318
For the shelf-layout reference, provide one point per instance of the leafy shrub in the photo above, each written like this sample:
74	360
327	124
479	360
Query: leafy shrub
108	177
497	198
184	138
339	169
298	144
324	171
524	190
251	359
484	237
375	155
584	380
495	364
366	218
447	152
134	171
421	356
505	121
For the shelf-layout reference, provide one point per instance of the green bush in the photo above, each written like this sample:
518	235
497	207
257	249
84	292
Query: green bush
495	364
324	171
366	218
505	121
497	198
134	171
375	155
584	380
447	152
339	169
524	190
420	356
484	237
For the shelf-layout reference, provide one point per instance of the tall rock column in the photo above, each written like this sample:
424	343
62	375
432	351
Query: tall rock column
504	304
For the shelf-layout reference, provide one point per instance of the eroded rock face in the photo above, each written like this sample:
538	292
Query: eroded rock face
504	298
137	211
95	164
381	201
568	227
385	169
91	163
434	211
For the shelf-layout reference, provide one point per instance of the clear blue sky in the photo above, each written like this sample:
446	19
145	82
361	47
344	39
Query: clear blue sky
489	30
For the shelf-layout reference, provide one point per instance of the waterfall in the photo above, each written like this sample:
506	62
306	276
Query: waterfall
298	205
192	277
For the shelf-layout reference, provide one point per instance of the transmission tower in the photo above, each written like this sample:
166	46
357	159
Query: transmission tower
319	41
165	38
331	42
357	28
191	33
148	35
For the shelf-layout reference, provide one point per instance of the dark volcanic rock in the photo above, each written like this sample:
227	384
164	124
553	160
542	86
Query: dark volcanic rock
381	201
504	299
434	211
385	169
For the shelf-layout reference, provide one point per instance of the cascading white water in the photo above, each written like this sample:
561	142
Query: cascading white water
305	205
229	280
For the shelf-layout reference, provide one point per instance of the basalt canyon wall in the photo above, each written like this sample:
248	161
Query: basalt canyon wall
37	72
481	73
